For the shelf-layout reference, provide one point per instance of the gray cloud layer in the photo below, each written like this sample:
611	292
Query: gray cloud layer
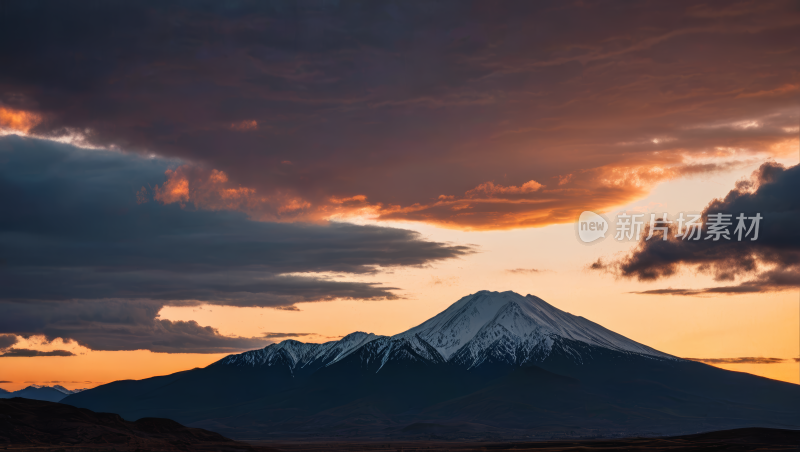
117	325
285	335
28	353
7	340
83	260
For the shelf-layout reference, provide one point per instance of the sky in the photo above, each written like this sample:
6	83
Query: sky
182	181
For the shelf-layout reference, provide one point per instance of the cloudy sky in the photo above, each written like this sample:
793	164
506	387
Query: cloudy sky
184	181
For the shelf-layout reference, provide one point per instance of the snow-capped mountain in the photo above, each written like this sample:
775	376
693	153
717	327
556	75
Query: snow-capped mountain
300	356
58	388
491	360
385	349
513	329
64	390
482	328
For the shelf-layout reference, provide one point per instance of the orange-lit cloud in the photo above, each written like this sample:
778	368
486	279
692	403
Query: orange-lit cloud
488	206
494	135
489	189
243	126
175	189
212	190
18	120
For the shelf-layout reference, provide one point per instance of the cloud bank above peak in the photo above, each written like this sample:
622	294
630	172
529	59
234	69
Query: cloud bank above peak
467	116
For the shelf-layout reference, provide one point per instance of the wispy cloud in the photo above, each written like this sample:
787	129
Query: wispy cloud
742	360
285	335
447	281
28	353
526	271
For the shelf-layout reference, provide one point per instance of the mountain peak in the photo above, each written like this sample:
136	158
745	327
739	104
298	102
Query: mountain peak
527	319
482	327
58	388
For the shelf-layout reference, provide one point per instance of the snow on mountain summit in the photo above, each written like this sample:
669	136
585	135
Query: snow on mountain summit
58	388
298	355
522	319
485	327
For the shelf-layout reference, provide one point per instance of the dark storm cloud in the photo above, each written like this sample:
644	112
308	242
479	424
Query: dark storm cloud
7	340
117	325
78	230
319	102
770	263
27	353
84	258
68	202
243	287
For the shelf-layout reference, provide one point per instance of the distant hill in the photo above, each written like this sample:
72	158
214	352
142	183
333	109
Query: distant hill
42	425
48	393
491	366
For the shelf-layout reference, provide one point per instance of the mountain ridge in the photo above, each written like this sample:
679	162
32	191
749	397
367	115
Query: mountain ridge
40	392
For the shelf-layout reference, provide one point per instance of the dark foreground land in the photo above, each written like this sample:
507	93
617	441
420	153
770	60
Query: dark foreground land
32	425
744	439
27	424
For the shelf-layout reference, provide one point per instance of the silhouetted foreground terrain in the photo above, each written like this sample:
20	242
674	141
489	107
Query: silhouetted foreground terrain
744	439
40	425
45	426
